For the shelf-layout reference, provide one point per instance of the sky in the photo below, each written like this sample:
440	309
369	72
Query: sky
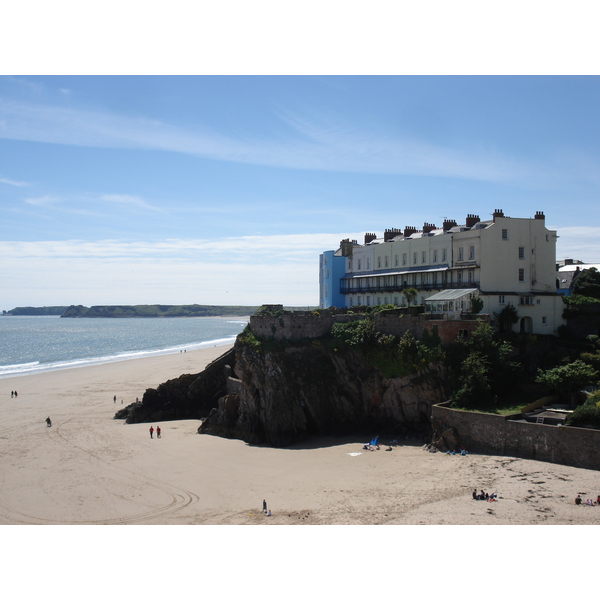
225	188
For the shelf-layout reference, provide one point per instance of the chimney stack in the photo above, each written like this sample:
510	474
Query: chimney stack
471	220
409	231
498	213
369	237
448	224
539	215
346	247
427	227
390	234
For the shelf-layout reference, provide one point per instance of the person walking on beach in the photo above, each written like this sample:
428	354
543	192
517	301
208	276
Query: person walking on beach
151	431
158	431
115	400
264	506
48	422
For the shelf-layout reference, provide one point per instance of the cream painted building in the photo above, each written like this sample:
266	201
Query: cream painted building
504	261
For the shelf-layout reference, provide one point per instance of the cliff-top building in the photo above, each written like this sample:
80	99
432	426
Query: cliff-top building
503	261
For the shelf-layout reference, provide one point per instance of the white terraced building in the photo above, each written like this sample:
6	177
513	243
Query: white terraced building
503	261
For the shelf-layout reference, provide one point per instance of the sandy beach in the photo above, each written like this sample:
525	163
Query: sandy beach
91	469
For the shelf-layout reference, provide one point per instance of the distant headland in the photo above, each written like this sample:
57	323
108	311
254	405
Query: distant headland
133	311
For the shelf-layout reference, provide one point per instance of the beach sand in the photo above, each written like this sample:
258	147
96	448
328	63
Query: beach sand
91	469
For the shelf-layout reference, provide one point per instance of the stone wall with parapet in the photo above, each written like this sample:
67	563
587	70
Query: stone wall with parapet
298	325
311	325
507	436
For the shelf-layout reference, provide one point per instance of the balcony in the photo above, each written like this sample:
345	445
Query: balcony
345	288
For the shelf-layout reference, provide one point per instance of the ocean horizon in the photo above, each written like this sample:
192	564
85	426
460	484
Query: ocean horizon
34	344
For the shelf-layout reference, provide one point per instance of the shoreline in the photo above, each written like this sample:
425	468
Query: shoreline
125	356
89	468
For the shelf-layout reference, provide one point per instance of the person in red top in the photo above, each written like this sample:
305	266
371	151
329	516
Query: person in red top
158	431
151	431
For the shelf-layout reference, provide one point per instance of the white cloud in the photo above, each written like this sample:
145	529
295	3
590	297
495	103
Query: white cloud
42	201
246	270
582	243
299	144
7	181
129	201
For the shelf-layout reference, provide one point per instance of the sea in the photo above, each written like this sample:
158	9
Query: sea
31	344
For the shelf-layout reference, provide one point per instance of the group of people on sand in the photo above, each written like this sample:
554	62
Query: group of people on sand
588	502
157	431
14	394
484	496
266	511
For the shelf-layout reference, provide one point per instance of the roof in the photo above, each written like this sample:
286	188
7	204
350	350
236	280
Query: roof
450	294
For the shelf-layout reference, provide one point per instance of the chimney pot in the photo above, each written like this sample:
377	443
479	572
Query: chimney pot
390	234
471	220
448	224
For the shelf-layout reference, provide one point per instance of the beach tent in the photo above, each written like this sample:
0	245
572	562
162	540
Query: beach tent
374	441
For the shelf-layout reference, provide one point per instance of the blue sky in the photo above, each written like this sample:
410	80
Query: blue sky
225	189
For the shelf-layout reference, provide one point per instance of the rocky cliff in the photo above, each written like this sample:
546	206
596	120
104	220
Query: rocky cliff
285	394
190	396
304	390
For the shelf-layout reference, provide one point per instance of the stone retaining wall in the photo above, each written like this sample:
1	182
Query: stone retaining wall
504	435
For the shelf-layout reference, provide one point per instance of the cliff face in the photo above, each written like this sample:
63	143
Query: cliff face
302	390
282	396
190	396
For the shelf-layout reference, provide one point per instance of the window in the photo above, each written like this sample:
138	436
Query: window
505	234
386	262
444	255
379	262
414	258
368	264
526	301
501	300
460	253
471	275
326	273
544	320
359	264
423	257
463	334
521	274
349	264
521	252
435	256
460	278
396	260
404	259
471	252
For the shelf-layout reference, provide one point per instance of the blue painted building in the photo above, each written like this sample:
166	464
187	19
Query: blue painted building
331	271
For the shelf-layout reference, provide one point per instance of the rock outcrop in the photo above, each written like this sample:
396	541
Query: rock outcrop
281	396
186	397
304	390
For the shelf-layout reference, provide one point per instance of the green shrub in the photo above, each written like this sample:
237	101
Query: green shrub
568	378
586	414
